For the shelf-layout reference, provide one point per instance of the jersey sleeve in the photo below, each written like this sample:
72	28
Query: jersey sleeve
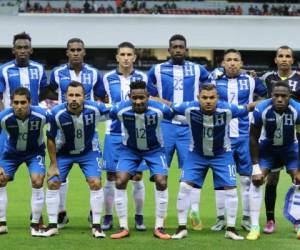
53	82
99	89
260	88
179	108
151	84
113	114
167	112
104	110
204	74
238	110
52	128
256	118
44	82
2	82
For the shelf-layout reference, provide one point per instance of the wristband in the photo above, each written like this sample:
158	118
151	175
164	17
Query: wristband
256	169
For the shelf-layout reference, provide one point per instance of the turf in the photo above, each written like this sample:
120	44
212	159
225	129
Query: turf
77	235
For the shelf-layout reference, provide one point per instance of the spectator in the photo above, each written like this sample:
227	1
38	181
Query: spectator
86	7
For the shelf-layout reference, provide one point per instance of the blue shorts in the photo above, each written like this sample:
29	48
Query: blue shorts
112	149
241	155
271	156
10	162
131	159
196	166
89	164
3	139
176	137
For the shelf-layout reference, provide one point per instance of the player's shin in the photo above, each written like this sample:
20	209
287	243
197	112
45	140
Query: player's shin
52	201
63	195
183	202
231	206
255	204
96	204
161	200
121	202
245	182
109	196
3	203
220	202
37	203
139	196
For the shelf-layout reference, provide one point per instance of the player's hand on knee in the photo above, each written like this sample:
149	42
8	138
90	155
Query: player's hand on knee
2	176
52	171
296	179
257	175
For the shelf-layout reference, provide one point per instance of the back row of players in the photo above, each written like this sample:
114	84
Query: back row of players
174	82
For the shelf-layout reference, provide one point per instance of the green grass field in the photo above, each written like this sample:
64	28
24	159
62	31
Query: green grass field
77	234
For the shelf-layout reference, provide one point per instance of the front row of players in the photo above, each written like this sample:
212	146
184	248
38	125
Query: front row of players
72	139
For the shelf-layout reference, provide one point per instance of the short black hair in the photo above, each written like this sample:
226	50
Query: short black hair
232	51
75	40
138	84
22	35
126	45
285	47
208	87
177	37
281	84
21	91
76	84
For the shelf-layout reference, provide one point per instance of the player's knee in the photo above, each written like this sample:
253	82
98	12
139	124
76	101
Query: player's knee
121	183
161	183
273	178
53	185
94	183
137	177
3	182
110	176
37	181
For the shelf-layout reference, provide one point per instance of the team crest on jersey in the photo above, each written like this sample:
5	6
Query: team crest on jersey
243	84
188	70
219	120
151	119
89	119
34	125
86	78
34	74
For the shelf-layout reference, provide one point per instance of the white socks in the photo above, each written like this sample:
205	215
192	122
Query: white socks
183	202
37	203
63	195
220	202
255	203
3	203
245	182
195	200
231	206
161	201
138	196
96	204
52	201
121	202
109	196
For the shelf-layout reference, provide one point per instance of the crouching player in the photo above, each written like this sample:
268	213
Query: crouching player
76	121
277	119
140	119
208	119
24	124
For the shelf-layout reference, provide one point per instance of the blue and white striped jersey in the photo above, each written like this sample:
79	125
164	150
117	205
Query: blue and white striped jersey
176	83
24	137
90	77
141	131
210	135
239	91
77	133
277	129
32	77
117	87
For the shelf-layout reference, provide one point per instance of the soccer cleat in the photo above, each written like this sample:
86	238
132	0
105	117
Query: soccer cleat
62	219
98	232
232	234
51	230
161	234
40	223
296	226
246	224
220	224
298	232
90	219
3	227
269	227
121	234
196	221
107	222
139	222
254	233
35	230
181	233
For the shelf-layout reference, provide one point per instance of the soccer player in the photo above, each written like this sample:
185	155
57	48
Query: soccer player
116	83
175	81
74	70
237	87
141	118
24	124
274	121
21	72
284	60
77	142
210	147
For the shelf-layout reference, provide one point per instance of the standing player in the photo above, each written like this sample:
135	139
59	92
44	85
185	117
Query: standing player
24	124
140	120
61	76
210	147
177	81
76	121
274	122
284	60
116	83
239	88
